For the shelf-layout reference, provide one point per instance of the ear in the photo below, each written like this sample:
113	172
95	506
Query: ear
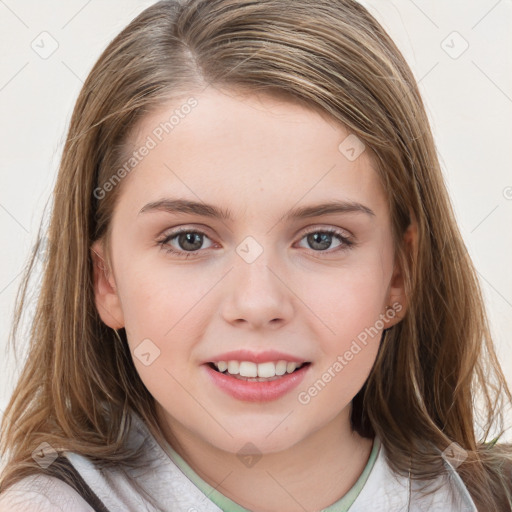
397	300
105	292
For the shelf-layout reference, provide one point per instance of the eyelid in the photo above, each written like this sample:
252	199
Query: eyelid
324	227
205	229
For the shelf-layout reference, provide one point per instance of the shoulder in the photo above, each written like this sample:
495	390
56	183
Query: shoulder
42	493
386	490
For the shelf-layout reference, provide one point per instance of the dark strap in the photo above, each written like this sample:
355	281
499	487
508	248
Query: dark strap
65	471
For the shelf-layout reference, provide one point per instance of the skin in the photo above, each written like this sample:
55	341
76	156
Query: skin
260	157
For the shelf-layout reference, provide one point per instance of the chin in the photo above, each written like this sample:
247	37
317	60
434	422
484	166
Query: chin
257	439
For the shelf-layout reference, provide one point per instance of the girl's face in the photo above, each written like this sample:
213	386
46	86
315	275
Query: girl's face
269	272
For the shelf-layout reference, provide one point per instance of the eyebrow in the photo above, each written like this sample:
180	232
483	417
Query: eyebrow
208	210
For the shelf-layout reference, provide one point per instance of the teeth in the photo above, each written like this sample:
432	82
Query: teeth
222	366
250	369
281	367
266	370
233	367
290	367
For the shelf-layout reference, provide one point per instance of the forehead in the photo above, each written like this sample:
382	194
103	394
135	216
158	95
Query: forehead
249	151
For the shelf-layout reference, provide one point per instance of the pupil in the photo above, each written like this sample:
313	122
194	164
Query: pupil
324	244
187	238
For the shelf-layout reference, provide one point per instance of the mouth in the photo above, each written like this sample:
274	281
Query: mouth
254	387
252	372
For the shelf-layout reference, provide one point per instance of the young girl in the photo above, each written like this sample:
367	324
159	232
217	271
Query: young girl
255	295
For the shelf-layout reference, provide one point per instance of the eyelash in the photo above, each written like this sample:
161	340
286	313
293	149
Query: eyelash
347	244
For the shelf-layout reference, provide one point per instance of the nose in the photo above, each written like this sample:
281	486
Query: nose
258	295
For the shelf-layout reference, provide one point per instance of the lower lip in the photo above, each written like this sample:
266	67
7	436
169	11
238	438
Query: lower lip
252	391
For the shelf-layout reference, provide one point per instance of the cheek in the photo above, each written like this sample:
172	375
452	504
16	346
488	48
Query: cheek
160	300
160	311
348	337
348	302
165	311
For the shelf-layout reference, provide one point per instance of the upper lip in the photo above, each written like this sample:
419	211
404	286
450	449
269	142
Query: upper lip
255	357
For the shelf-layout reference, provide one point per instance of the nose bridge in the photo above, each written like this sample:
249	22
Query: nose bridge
257	260
257	294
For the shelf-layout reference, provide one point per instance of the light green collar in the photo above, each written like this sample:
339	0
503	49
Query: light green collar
227	505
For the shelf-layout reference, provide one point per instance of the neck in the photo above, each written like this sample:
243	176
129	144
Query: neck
311	475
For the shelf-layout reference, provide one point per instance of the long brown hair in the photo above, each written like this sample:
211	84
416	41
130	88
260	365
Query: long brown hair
79	383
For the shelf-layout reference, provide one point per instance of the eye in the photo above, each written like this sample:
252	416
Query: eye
188	242
321	240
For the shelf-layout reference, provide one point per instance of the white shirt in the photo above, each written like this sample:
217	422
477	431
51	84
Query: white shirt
174	492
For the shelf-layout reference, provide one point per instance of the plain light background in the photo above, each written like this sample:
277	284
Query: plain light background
459	52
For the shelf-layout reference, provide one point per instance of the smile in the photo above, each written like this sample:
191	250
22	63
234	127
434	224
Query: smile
251	382
262	370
